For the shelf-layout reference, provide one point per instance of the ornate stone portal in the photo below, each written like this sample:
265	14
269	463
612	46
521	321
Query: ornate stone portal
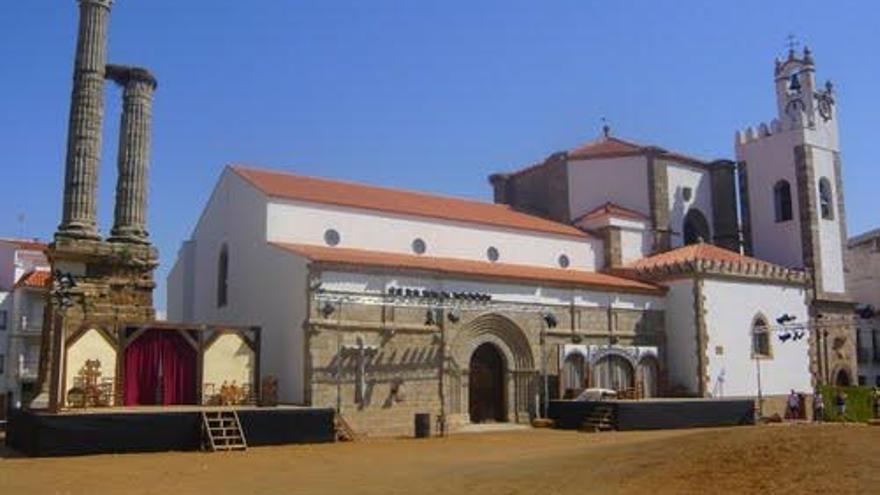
114	278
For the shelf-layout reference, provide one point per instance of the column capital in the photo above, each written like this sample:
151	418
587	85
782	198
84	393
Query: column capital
100	3
125	74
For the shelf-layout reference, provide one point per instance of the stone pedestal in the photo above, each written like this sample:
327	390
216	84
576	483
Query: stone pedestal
114	285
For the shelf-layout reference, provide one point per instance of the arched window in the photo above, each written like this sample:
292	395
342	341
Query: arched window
613	372
223	276
760	337
782	201
696	228
826	199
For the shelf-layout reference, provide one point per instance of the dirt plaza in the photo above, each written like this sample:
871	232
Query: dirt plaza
765	459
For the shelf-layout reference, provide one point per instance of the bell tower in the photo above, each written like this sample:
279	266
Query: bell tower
792	203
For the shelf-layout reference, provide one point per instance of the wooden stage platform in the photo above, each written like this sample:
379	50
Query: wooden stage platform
157	429
659	413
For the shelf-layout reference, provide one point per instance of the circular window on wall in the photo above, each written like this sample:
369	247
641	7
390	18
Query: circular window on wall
419	246
331	237
492	253
564	261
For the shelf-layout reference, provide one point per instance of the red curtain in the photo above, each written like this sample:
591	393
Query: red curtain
160	369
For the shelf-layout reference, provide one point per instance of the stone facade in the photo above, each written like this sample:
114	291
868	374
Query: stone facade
414	365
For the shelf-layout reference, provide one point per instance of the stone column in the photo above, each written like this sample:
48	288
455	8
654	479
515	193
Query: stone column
84	127
129	221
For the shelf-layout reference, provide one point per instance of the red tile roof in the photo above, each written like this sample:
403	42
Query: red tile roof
612	210
470	268
290	186
693	252
605	146
25	244
36	279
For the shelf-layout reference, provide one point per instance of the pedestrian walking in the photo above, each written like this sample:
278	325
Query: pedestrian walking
840	402
818	406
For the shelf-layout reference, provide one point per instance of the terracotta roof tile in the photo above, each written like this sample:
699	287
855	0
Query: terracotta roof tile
612	210
291	186
470	268
693	252
36	279
605	146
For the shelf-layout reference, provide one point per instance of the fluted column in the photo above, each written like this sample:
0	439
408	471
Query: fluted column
129	220
86	119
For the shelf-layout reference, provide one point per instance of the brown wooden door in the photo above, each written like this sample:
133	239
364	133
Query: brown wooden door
486	385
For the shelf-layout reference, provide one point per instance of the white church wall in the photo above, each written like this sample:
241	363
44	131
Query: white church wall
681	336
830	243
730	310
228	359
622	181
770	159
265	286
634	244
698	179
300	222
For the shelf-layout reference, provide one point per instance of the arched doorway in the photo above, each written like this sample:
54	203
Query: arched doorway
486	385
613	372
696	227
647	372
842	378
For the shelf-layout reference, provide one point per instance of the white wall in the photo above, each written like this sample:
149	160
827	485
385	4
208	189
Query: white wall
731	307
265	285
698	179
769	160
301	222
635	244
681	336
833	279
622	181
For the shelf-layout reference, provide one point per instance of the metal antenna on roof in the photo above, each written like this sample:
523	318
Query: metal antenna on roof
21	222
606	129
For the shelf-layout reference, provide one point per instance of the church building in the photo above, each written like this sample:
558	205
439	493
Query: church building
613	265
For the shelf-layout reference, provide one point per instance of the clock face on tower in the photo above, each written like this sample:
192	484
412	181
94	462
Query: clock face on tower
825	102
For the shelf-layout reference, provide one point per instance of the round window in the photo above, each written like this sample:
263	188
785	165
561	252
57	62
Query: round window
564	261
492	253
331	237
419	246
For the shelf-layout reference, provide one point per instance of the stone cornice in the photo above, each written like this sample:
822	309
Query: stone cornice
744	270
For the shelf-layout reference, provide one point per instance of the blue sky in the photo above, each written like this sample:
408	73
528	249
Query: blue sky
420	94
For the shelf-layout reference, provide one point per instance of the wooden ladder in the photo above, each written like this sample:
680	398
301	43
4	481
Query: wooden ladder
601	418
344	431
222	430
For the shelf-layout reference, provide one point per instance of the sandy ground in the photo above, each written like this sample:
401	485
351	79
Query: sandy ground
776	459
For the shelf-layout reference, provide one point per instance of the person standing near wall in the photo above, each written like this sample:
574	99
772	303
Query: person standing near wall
840	402
818	406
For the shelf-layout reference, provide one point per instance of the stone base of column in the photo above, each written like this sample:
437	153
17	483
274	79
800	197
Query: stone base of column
129	235
76	230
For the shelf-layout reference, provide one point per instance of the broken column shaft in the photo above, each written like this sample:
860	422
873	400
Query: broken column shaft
129	221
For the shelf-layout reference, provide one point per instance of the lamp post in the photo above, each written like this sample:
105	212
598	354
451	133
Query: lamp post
62	291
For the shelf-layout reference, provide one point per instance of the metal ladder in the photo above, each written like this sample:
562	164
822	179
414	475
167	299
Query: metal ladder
222	430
